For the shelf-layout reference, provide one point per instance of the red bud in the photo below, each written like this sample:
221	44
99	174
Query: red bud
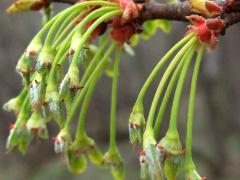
213	7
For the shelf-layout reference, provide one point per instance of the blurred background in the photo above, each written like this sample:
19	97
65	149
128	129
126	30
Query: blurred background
216	141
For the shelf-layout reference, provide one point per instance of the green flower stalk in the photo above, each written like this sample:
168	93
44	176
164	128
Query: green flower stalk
171	142
190	169
134	130
112	157
62	65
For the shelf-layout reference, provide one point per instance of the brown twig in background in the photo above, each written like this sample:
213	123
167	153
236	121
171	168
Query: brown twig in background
179	11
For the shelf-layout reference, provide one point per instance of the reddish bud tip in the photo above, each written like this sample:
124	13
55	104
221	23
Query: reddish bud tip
161	149
32	53
11	126
43	131
53	138
131	125
141	152
75	152
35	131
39	5
136	126
203	178
184	151
70	52
215	24
62	138
213	7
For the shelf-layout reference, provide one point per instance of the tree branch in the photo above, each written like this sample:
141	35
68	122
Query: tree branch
179	11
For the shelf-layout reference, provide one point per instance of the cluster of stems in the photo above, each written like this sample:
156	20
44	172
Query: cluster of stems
164	158
68	41
77	41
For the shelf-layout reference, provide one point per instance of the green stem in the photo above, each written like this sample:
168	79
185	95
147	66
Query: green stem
60	56
67	24
80	131
66	12
191	106
93	62
46	14
159	66
177	97
168	92
80	94
24	112
52	31
164	80
91	16
113	126
90	30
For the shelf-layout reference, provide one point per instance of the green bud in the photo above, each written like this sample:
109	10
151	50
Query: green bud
71	80
76	40
52	99
13	105
87	146
23	68
18	136
95	155
45	59
76	163
73	77
36	92
153	159
114	160
34	48
36	125
62	141
172	167
171	144
137	123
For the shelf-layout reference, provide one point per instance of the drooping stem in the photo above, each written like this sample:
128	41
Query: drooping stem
113	118
67	24
163	81
178	93
159	66
80	94
90	30
80	130
191	107
24	112
93	62
168	92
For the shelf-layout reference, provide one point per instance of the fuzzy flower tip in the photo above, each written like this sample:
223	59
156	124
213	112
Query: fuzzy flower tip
62	141
24	5
207	31
36	126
